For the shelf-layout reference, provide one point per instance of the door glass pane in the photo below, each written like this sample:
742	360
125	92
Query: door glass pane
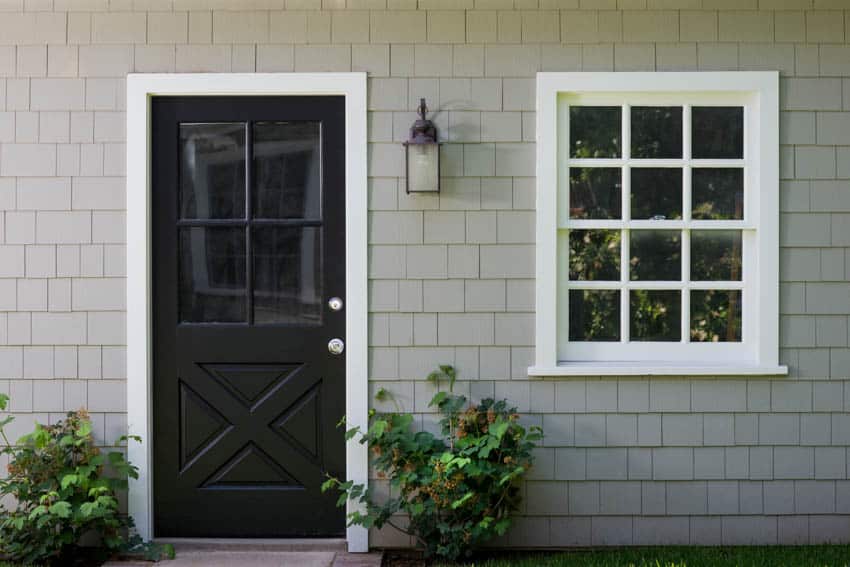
287	275
656	193
287	170
716	315
656	132
718	132
594	315
595	131
595	193
212	171
655	315
718	194
656	255
595	255
716	255
212	275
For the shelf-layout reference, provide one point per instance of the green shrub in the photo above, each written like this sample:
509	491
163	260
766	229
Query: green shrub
58	481
457	490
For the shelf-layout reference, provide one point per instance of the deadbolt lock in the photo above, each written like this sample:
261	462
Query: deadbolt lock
336	346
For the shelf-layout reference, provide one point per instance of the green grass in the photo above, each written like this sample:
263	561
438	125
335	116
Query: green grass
809	556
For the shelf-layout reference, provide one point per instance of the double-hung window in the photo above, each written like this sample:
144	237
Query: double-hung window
657	223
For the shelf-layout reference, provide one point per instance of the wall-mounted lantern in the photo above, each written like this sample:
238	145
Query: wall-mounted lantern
422	155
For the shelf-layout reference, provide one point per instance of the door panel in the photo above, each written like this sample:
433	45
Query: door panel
248	242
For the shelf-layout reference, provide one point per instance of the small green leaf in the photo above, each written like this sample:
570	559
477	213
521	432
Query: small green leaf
328	484
88	508
68	480
349	434
378	428
61	509
85	429
462	500
437	399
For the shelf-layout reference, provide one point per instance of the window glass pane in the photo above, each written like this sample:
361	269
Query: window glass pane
595	255
212	171
287	170
717	132
595	131
212	275
655	315
656	255
656	132
716	315
287	275
656	193
595	193
594	315
718	194
716	255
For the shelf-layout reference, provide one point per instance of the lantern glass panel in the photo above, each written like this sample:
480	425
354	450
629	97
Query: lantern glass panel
423	167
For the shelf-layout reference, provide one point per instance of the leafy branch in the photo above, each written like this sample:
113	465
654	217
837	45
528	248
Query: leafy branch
458	489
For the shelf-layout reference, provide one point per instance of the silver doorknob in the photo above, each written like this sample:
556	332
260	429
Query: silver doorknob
336	346
335	303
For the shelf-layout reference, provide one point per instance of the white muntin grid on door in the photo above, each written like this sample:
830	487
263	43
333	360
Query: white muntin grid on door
641	350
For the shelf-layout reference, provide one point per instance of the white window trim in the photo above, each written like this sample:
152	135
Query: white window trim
140	89
764	87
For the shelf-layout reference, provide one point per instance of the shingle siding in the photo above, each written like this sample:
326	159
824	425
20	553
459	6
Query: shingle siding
631	461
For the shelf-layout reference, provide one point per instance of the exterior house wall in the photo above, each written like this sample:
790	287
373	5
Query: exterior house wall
630	461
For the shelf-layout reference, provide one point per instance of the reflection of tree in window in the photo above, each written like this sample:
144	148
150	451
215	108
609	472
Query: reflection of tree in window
716	315
595	193
656	132
594	315
655	315
718	132
656	255
595	131
656	193
718	193
595	255
716	255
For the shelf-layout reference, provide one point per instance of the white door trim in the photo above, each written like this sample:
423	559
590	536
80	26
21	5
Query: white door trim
140	89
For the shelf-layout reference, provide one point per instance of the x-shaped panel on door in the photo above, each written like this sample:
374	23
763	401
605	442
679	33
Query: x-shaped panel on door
231	444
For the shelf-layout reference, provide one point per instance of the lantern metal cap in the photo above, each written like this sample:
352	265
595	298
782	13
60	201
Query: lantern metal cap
423	130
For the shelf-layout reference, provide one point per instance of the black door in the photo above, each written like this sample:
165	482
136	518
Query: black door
248	247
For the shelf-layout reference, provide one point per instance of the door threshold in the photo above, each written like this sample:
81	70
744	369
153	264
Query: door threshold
254	544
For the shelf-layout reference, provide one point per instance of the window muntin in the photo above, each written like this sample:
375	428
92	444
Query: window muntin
657	240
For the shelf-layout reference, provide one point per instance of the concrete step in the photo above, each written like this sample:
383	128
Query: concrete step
255	558
255	544
371	559
247	558
260	553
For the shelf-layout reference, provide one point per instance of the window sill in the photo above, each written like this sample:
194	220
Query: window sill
654	369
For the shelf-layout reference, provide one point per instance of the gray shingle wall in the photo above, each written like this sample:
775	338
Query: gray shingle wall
451	276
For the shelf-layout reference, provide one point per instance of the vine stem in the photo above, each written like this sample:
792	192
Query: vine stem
404	531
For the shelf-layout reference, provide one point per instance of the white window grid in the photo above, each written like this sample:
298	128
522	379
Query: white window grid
645	351
758	352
